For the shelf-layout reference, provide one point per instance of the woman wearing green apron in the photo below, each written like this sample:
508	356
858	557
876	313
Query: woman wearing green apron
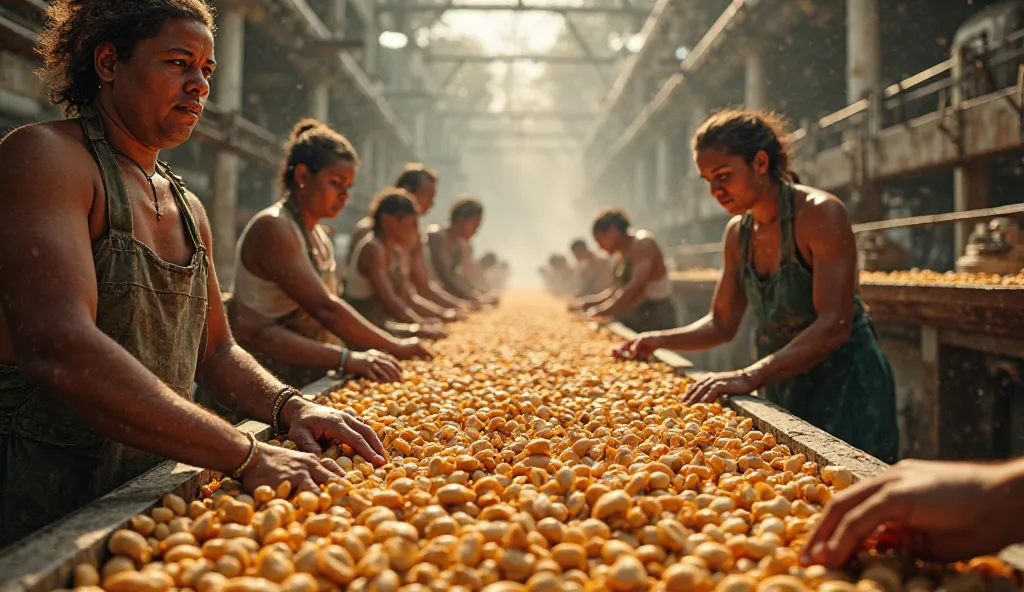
376	282
285	307
790	254
641	297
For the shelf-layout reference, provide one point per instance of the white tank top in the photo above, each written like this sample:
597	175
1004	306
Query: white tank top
265	296
357	285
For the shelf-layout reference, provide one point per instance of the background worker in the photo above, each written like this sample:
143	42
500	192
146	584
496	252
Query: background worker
285	307
420	181
790	253
641	298
375	283
117	311
595	273
451	255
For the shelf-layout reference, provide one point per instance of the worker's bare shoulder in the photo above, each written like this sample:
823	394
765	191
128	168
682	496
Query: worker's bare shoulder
47	161
646	241
820	209
271	231
201	217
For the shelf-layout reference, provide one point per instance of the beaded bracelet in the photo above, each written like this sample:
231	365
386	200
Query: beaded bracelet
344	358
253	446
282	398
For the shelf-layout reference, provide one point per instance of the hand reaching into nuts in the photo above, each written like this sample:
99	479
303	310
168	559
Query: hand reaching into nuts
960	509
715	385
375	365
274	465
310	422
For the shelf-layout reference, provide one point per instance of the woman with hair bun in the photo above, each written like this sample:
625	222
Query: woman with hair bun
376	282
790	254
286	309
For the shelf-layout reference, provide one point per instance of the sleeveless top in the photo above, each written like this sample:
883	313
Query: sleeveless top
266	297
154	309
654	290
453	260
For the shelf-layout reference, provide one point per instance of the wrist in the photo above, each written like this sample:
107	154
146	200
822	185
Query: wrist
292	409
1004	483
755	374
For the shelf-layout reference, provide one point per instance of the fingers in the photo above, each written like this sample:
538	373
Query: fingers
356	440
835	511
305	482
858	523
389	370
331	465
305	441
319	472
367	433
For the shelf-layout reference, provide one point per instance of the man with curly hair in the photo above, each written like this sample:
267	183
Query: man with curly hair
110	302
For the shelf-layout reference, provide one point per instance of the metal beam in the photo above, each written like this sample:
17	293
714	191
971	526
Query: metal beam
519	7
566	115
582	42
547	58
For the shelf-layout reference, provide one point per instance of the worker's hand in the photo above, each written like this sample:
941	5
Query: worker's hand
431	332
273	465
408	349
375	365
641	348
955	507
576	306
712	386
450	315
309	423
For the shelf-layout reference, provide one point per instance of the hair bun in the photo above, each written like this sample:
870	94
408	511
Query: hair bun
304	126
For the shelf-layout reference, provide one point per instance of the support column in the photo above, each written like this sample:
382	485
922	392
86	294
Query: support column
971	186
420	129
863	50
371	32
230	56
663	169
755	86
319	102
640	188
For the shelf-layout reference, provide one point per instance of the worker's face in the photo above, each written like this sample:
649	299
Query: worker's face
425	195
408	228
327	189
608	240
734	182
471	226
159	92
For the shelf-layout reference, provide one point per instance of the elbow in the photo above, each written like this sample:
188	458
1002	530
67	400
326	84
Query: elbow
837	333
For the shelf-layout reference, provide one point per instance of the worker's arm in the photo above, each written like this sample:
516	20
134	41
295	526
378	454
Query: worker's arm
430	309
425	287
594	300
48	184
280	343
834	255
373	264
647	255
959	511
722	321
272	249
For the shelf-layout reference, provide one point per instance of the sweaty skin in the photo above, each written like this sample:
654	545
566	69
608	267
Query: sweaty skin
52	198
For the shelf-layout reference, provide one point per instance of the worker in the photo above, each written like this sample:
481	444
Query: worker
641	298
559	277
789	253
286	274
491	273
451	255
110	303
421	181
595	272
944	511
375	283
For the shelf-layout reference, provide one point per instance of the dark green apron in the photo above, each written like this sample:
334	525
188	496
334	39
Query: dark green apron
52	461
371	308
648	315
850	395
299	321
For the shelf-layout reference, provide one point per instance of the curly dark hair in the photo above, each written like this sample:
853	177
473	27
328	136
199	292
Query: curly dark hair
744	133
610	217
465	208
315	145
75	27
413	176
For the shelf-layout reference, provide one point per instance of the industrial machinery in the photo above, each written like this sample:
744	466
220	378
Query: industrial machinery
993	248
995	26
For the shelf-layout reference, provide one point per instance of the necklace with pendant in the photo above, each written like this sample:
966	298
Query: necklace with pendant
149	179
